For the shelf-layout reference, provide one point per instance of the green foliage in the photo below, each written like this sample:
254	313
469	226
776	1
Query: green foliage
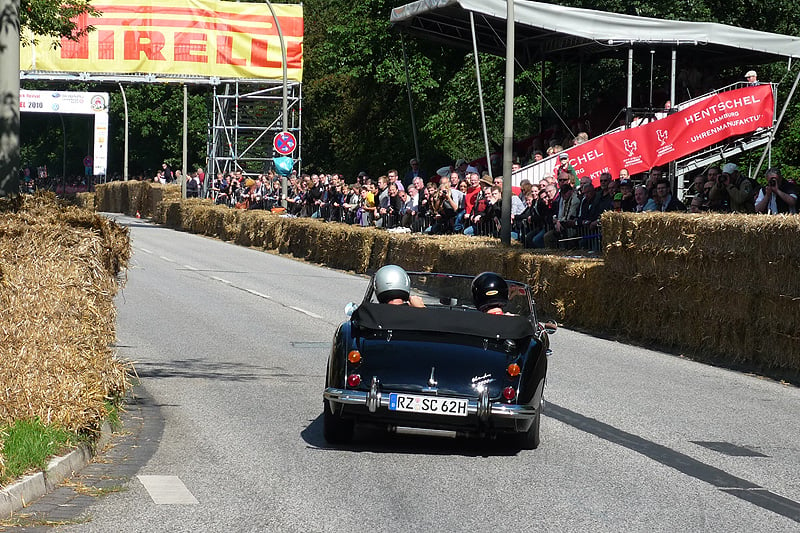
155	124
54	18
27	446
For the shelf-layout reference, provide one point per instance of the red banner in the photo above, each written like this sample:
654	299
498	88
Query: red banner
684	132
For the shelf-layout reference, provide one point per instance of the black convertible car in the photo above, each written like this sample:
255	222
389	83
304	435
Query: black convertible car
442	365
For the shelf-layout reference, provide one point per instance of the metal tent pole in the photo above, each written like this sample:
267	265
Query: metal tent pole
480	93
672	77
410	100
125	156
508	129
629	112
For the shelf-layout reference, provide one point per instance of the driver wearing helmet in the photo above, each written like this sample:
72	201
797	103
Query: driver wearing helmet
392	286
490	293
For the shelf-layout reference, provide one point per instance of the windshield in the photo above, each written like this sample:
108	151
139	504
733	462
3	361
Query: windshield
455	291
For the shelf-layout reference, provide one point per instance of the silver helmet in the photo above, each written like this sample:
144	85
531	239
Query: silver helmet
391	282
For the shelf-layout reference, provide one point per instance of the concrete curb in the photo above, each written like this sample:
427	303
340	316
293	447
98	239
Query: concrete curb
32	487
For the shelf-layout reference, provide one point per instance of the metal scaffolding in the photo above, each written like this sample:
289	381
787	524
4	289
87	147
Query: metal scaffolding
247	116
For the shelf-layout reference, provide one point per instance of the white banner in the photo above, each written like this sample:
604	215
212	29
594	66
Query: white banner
75	103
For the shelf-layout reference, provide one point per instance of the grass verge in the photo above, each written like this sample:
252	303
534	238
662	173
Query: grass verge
28	445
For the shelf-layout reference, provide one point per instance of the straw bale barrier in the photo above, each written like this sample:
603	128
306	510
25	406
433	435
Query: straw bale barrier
58	278
719	288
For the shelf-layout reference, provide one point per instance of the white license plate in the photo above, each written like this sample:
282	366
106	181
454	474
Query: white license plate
428	404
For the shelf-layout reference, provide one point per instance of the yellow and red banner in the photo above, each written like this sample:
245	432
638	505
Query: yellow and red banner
179	37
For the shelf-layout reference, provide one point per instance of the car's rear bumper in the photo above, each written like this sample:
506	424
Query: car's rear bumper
481	408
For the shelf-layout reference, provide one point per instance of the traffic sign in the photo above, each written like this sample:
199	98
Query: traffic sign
284	143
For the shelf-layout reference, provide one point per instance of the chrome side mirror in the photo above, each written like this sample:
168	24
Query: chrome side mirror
349	309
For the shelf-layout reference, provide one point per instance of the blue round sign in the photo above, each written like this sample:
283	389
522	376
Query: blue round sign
284	143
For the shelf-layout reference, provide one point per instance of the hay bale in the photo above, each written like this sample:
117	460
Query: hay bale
57	314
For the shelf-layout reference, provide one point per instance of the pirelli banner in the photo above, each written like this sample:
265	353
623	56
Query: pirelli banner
179	37
689	130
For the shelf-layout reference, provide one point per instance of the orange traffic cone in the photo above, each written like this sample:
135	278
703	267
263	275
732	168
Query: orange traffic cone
138	215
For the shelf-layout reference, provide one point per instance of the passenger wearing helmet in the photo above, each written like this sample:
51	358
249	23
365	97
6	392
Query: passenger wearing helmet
393	286
490	293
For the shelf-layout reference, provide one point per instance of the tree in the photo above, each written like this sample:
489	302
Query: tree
53	18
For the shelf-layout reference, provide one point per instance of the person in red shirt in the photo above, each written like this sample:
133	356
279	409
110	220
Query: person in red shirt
473	189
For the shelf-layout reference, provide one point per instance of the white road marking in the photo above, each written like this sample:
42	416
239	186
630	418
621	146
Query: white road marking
167	490
189	267
145	250
309	313
256	293
225	281
167	259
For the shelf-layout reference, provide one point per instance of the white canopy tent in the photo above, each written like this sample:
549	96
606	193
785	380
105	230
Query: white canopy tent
549	30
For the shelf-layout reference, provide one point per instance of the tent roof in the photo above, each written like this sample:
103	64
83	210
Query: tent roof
567	33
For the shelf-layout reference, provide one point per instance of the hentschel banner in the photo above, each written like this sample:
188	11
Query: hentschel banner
179	37
689	130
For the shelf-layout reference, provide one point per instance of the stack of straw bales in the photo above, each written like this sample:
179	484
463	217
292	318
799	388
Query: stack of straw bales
720	283
58	278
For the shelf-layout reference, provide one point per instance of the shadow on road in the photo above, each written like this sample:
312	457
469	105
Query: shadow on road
200	369
370	439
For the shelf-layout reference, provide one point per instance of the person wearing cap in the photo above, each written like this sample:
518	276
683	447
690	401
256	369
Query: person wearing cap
563	164
627	201
617	202
751	77
732	191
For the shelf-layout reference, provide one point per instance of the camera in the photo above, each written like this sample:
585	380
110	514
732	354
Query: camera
773	182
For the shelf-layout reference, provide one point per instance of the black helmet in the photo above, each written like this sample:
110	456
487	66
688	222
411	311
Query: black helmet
391	282
489	290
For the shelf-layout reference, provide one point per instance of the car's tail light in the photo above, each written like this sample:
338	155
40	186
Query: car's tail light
513	370
509	393
354	357
353	380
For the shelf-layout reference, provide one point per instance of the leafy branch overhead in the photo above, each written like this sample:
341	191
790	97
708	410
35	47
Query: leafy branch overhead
55	19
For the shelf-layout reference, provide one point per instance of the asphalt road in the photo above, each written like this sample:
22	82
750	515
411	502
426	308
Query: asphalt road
231	343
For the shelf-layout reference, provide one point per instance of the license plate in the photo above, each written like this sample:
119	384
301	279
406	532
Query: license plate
428	404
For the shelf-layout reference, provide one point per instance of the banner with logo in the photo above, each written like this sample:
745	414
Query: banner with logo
179	37
76	103
689	130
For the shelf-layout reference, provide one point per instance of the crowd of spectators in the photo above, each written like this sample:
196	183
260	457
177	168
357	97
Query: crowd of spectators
562	210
